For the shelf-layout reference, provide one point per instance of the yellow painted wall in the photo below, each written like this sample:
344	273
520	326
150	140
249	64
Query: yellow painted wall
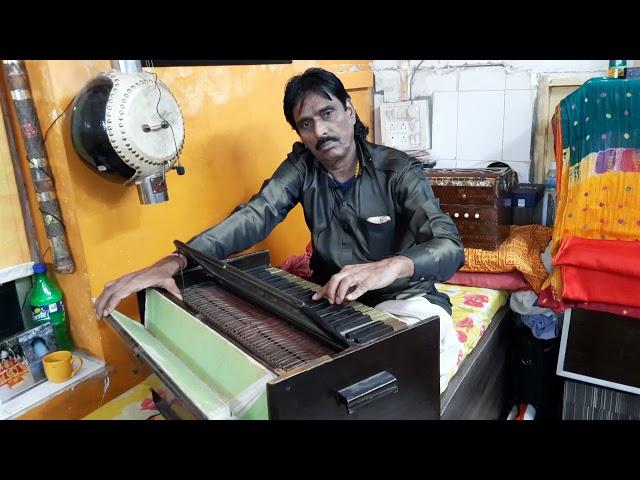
236	135
14	249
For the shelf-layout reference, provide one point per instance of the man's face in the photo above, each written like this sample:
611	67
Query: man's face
326	128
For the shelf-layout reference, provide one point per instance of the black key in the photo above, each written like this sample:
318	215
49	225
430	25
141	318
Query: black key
306	297
290	286
318	305
262	274
370	332
277	282
328	309
302	294
354	321
294	291
343	313
366	329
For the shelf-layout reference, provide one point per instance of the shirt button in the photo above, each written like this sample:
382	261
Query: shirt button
344	204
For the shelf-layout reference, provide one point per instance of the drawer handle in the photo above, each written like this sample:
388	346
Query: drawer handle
368	390
464	196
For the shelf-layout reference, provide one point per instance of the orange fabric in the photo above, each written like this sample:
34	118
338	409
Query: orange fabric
520	251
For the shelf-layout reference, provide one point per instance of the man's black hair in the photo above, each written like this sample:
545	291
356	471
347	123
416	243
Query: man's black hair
320	82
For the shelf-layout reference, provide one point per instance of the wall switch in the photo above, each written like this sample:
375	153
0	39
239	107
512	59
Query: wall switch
405	125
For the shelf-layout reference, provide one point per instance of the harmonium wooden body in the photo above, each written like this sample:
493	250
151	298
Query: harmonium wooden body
478	200
247	342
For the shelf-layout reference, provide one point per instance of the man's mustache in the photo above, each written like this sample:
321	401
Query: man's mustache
324	140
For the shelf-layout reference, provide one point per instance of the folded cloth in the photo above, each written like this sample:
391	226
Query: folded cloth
604	271
543	326
510	281
615	256
299	265
547	299
413	310
520	251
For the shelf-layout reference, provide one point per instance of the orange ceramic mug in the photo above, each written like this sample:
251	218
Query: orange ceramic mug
58	366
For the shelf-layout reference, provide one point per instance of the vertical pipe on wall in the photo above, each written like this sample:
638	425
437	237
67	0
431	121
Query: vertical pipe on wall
41	175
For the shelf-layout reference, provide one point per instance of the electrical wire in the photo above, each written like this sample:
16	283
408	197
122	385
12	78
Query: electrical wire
149	64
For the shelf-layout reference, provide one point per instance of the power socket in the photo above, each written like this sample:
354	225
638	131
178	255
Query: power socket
405	125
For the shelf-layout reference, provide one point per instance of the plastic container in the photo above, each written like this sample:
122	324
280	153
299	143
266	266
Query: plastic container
46	306
549	199
617	68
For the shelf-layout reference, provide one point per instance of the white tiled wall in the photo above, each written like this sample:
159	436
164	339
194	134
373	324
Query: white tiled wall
445	130
482	78
479	115
518	115
518	80
495	117
480	125
426	82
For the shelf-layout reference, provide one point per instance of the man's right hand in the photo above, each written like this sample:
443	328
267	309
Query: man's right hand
160	274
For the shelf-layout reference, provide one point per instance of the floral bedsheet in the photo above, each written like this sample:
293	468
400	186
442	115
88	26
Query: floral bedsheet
473	309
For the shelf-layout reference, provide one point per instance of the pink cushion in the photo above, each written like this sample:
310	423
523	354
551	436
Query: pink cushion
512	281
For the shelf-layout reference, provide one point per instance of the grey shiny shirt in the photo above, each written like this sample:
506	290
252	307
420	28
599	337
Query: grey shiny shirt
391	184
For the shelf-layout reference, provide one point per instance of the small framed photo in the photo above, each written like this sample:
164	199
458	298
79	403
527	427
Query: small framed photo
21	360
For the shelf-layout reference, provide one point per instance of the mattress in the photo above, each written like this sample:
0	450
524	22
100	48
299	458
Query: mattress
473	308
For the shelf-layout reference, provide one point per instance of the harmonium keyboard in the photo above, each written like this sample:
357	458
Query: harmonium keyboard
248	342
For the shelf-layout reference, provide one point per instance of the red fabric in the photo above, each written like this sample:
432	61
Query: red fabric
601	271
512	281
546	299
588	285
299	264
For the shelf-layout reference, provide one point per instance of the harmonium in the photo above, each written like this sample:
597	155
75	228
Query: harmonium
478	200
246	341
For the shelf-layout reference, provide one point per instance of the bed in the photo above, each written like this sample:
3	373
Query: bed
478	386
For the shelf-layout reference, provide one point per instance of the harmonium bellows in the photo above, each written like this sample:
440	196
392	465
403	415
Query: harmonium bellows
247	342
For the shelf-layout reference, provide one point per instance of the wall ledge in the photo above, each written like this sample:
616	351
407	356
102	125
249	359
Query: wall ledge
45	391
16	271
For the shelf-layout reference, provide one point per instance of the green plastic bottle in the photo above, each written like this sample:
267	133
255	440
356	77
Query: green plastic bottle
46	306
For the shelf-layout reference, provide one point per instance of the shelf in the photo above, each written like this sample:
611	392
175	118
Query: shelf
16	271
44	391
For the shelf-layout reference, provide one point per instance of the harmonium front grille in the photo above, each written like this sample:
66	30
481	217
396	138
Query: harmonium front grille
268	337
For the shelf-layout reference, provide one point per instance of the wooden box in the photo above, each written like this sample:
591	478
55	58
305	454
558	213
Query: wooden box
478	201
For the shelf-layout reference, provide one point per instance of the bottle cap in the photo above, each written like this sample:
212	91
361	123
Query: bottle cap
39	268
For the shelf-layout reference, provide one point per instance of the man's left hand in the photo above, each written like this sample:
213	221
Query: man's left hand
354	280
